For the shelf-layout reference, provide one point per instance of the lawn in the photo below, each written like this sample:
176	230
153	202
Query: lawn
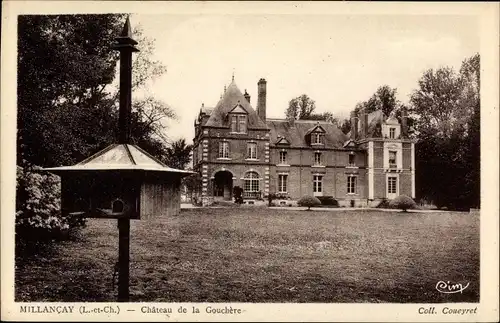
266	255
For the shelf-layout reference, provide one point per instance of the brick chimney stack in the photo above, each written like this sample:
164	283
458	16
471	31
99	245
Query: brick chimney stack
363	124
404	123
261	99
354	125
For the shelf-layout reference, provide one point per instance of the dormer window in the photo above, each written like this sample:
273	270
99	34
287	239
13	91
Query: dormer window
239	123
317	138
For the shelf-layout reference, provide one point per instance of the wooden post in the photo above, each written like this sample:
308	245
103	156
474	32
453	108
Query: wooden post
123	259
126	46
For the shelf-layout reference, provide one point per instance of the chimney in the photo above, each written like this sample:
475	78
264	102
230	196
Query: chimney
363	124
404	123
247	96
261	99
354	125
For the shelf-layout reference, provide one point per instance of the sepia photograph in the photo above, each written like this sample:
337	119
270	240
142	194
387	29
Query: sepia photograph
248	157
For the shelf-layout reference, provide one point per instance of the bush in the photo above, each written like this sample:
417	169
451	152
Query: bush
237	193
328	201
38	205
403	202
270	198
309	201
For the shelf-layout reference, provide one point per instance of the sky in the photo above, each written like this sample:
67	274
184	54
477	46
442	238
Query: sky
337	60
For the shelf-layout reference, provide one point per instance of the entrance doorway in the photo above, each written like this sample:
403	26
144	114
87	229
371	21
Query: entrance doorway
223	185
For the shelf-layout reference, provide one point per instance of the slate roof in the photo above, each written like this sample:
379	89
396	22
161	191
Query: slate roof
231	98
296	134
120	157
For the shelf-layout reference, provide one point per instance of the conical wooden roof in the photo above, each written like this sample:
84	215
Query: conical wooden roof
120	157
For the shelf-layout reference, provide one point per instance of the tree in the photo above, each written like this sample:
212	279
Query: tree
437	102
300	108
447	109
67	103
345	126
178	155
383	99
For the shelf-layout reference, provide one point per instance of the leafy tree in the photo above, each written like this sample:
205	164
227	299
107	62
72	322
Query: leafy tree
300	108
67	101
447	109
178	155
345	126
383	99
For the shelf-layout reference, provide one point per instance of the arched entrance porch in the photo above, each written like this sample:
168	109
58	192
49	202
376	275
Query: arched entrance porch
223	185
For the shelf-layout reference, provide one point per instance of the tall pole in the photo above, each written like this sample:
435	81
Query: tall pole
126	45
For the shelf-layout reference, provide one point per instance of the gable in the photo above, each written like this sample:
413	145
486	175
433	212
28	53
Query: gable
238	109
232	101
282	141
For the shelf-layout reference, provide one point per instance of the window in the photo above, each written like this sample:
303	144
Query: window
239	123
242	124
392	158
282	179
317	158
392	183
234	123
317	183
223	149
351	159
282	157
252	150
251	182
351	184
392	133
316	138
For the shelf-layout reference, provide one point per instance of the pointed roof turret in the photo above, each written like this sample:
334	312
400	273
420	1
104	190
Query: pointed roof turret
125	40
232	98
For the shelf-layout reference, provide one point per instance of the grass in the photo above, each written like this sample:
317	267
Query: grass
266	255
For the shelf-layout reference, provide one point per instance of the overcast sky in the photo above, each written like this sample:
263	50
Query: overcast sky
337	60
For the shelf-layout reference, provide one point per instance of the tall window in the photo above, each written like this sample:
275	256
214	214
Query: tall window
316	138
251	182
392	183
239	123
392	133
317	158
351	159
282	179
282	157
234	123
242	124
252	150
392	158
317	184
351	184
223	149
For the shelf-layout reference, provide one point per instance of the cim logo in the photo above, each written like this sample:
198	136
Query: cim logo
449	288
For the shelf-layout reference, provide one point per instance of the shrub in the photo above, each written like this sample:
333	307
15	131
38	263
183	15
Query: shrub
38	204
403	202
328	201
270	198
237	193
309	201
384	204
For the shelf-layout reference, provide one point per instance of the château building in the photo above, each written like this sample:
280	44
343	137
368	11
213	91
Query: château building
236	145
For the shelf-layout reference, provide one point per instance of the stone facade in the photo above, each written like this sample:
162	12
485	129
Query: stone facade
235	145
